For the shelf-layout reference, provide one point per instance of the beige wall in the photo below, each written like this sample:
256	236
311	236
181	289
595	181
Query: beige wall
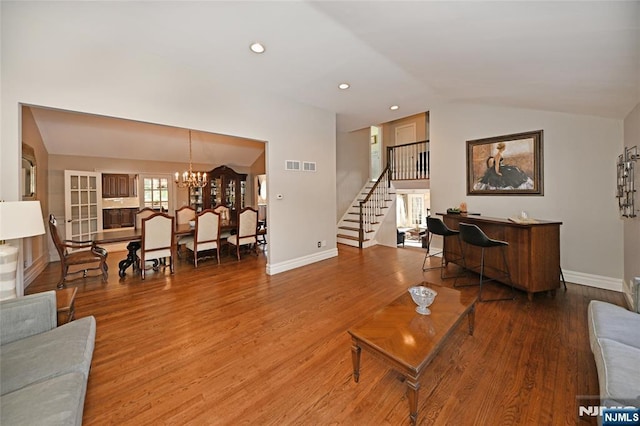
580	154
389	130
352	167
632	226
35	253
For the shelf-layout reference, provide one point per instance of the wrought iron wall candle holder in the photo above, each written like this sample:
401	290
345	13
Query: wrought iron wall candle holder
626	188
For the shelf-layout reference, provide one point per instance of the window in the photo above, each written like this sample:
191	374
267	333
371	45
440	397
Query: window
156	193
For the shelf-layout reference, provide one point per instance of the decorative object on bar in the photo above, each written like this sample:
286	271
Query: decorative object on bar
626	188
506	165
191	179
423	297
18	219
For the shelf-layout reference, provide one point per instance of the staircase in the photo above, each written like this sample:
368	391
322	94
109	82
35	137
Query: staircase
359	225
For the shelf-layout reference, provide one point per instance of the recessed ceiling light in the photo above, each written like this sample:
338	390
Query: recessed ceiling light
344	86
257	48
394	107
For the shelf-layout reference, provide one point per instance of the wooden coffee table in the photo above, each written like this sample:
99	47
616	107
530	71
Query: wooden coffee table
409	341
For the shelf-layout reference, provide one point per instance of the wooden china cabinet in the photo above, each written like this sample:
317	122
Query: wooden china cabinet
228	188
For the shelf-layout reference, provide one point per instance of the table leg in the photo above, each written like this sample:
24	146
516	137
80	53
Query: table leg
130	260
413	388
355	357
472	319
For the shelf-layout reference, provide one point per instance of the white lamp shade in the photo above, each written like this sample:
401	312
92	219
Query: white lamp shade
20	219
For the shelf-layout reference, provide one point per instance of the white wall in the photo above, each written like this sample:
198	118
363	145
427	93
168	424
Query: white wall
632	226
580	154
104	86
352	167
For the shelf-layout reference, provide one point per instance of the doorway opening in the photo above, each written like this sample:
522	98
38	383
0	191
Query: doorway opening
412	208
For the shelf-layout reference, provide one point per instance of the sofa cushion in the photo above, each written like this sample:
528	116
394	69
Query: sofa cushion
25	316
62	350
614	322
618	372
57	401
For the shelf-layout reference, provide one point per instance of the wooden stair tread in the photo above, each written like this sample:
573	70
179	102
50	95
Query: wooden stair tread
351	228
349	237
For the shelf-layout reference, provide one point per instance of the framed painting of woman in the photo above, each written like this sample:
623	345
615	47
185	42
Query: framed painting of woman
505	165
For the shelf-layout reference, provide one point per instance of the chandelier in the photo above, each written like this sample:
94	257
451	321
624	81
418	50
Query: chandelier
190	179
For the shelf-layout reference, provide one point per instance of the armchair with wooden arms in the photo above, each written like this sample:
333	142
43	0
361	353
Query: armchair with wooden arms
77	253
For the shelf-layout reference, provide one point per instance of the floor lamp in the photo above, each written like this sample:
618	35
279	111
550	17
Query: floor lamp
18	219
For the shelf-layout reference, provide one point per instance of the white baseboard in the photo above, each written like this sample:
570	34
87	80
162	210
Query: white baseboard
276	268
590	280
36	269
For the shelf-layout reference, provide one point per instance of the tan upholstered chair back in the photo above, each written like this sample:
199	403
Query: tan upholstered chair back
157	236
185	214
247	223
141	214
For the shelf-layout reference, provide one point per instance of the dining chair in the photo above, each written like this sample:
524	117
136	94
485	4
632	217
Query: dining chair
206	236
158	240
262	233
141	214
184	215
246	230
77	253
225	214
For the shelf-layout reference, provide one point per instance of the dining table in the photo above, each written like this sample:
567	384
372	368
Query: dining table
134	237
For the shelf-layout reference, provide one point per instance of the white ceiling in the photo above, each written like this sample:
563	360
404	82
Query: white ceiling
574	57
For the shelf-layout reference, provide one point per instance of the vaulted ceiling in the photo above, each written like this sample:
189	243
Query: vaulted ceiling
574	57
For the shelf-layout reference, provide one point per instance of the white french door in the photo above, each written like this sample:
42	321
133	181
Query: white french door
82	204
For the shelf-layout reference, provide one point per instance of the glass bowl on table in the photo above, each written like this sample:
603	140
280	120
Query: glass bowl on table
423	297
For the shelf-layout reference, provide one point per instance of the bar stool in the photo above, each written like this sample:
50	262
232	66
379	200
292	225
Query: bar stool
474	236
436	226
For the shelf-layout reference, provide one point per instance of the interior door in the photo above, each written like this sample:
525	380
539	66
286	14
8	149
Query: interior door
82	204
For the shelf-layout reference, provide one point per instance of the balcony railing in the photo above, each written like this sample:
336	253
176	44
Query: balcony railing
409	161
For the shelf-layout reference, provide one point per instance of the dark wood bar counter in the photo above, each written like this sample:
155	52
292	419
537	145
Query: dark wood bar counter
533	254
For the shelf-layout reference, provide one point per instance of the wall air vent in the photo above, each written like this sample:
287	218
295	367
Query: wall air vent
293	165
308	166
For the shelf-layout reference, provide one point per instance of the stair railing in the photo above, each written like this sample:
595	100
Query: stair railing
371	207
409	161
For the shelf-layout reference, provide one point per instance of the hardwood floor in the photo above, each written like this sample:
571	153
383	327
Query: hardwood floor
228	344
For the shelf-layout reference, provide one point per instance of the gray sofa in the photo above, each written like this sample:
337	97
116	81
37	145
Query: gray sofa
43	368
614	334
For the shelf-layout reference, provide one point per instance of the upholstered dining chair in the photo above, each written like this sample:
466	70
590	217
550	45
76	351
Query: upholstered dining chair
158	240
141	214
184	215
206	236
77	253
225	214
246	231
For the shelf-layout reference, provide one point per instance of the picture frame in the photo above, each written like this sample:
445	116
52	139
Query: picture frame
506	165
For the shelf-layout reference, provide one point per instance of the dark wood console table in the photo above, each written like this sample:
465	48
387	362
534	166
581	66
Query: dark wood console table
533	254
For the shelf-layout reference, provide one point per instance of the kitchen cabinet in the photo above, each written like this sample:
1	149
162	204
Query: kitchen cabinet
119	185
226	187
118	218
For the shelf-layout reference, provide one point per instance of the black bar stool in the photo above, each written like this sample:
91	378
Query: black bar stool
474	236
436	226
